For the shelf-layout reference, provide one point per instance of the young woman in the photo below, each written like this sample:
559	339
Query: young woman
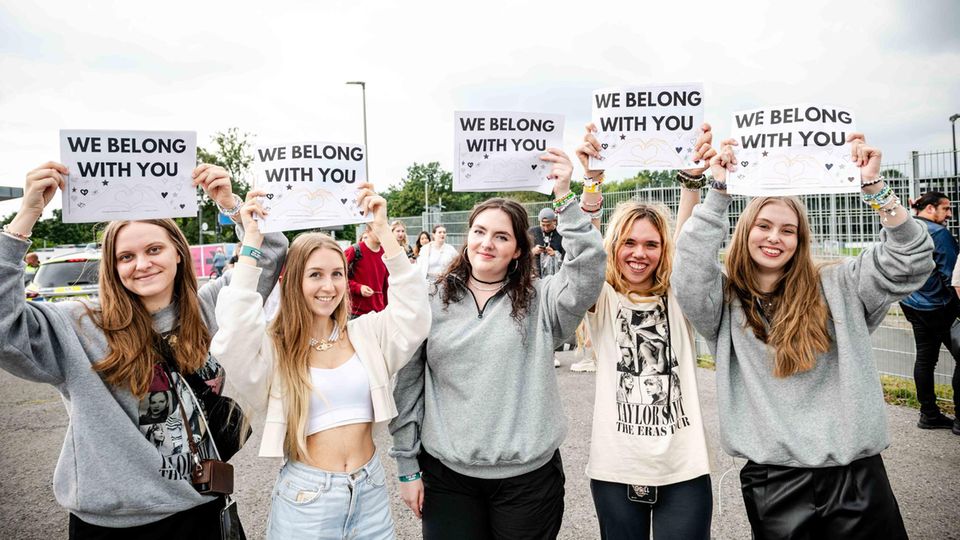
423	239
323	381
124	471
435	257
798	390
479	403
399	231
648	463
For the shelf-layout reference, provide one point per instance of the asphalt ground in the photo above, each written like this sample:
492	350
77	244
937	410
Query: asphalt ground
924	468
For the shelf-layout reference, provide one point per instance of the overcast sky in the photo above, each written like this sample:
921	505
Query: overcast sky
278	70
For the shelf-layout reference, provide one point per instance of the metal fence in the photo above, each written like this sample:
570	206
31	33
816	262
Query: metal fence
842	226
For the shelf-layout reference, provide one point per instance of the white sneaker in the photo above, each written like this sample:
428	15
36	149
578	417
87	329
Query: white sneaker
585	365
556	360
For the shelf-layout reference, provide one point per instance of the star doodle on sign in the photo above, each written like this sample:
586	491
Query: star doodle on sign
106	182
486	156
622	136
764	153
289	186
74	190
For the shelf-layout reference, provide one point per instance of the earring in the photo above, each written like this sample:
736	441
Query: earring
516	266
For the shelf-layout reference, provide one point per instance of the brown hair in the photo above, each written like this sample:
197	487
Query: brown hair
416	245
624	216
798	331
128	326
452	283
291	330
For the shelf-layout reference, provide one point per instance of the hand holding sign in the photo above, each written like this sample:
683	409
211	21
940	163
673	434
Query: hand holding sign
589	149
250	215
39	188
560	172
865	157
725	161
702	150
372	204
215	181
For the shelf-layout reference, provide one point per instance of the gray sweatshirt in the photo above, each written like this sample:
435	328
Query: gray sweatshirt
832	414
481	394
119	467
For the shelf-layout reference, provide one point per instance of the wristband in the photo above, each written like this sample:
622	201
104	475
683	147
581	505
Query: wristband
691	182
718	184
250	251
411	477
231	212
872	182
561	204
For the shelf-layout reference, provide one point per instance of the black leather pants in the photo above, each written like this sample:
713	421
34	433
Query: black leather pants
847	502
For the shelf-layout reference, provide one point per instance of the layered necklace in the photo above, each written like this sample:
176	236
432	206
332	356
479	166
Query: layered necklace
325	344
499	284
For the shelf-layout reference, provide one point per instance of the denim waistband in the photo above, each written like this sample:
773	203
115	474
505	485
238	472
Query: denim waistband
323	477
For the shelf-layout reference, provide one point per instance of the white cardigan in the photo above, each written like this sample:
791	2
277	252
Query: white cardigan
384	341
447	254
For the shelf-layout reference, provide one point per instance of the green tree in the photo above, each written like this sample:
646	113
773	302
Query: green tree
53	231
407	198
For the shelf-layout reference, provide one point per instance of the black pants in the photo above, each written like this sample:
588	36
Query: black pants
930	330
682	512
849	502
198	523
529	506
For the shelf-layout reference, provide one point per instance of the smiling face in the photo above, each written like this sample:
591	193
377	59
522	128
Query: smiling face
491	245
639	254
146	262
324	282
772	240
424	238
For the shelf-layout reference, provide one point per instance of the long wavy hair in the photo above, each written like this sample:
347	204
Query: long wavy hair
618	229
416	245
452	284
798	331
290	332
128	326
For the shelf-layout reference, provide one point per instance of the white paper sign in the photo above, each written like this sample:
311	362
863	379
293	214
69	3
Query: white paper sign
648	127
128	174
795	150
310	185
500	151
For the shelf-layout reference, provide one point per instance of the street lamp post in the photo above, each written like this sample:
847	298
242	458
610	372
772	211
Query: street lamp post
953	128
363	89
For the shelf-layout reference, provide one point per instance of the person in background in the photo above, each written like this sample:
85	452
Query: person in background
547	244
367	274
423	239
399	231
932	311
436	256
32	261
219	261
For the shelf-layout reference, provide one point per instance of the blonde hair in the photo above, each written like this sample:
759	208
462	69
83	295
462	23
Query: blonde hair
798	331
128	326
618	230
291	331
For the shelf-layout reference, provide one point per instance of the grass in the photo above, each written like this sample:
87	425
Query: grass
896	390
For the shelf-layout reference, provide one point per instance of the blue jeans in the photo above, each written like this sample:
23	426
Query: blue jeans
312	503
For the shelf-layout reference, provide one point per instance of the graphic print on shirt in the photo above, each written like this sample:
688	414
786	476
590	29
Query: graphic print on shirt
644	381
161	422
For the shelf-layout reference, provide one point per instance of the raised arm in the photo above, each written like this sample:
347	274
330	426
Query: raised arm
36	335
215	181
240	343
902	261
692	180
697	280
568	294
405	428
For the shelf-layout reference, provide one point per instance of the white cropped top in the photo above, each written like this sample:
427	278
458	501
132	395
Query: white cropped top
340	396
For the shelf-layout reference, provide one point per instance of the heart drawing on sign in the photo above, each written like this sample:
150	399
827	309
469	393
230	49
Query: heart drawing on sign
84	191
164	194
343	201
182	206
470	164
744	163
850	179
604	146
270	196
678	149
828	165
534	167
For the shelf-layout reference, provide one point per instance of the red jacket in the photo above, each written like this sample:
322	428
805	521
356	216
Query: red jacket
369	271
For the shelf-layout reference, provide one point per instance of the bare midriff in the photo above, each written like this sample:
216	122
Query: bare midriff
341	449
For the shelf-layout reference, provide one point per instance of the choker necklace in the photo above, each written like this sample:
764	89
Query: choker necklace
473	277
325	344
501	285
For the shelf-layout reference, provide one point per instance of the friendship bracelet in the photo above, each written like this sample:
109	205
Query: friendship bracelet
718	184
411	477
693	183
591	206
689	176
250	251
231	212
15	234
872	182
564	201
596	214
880	198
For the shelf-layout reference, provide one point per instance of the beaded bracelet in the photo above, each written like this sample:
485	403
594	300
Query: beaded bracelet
872	182
880	198
15	234
589	207
411	477
231	212
562	203
596	214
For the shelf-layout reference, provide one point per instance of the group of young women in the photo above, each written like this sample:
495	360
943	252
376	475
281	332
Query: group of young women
475	411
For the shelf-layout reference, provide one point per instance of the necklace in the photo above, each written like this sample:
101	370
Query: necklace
501	285
325	344
473	277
